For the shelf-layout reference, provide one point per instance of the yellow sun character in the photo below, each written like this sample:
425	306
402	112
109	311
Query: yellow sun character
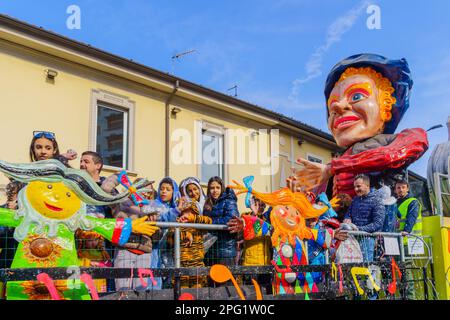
53	200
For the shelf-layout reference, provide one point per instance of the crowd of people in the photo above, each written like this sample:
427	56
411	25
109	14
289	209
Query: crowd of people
371	210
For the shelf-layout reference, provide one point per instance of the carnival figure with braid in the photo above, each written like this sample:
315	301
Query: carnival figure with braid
51	207
287	230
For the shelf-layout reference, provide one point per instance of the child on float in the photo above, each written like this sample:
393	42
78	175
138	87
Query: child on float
191	249
191	188
221	206
44	146
258	251
162	254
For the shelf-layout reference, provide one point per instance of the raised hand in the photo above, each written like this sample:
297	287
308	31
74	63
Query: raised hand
181	204
340	234
70	154
235	225
311	175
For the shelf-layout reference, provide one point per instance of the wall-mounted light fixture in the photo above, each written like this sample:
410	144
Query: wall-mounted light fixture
254	133
300	141
175	111
335	154
51	74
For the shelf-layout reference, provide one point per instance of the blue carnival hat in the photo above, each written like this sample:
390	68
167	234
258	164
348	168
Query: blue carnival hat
397	71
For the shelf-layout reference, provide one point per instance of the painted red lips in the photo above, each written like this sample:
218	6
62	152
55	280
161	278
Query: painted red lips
52	207
345	122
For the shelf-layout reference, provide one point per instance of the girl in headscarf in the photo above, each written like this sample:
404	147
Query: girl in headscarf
190	187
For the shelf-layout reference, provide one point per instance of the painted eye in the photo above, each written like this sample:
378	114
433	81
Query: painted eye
357	97
49	186
68	194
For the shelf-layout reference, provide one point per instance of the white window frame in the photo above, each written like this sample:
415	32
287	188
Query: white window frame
116	102
220	131
314	156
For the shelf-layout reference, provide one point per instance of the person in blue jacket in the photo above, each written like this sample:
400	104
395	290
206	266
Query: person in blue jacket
221	206
367	213
168	196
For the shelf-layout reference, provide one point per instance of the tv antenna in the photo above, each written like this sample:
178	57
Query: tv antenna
235	90
177	56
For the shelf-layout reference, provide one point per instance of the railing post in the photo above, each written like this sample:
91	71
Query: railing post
402	248
177	285
425	282
177	247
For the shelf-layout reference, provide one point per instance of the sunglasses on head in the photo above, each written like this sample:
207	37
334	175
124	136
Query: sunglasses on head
45	134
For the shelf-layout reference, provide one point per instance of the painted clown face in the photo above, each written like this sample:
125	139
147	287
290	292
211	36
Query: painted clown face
354	112
286	216
52	200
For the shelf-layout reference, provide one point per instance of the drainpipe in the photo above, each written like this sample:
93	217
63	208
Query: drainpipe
167	128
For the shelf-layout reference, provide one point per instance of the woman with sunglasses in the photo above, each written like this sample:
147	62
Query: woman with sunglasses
44	146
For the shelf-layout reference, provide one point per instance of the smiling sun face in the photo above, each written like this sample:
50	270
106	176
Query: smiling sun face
52	200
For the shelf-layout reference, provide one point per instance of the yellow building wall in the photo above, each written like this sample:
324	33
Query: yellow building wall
187	119
290	151
31	103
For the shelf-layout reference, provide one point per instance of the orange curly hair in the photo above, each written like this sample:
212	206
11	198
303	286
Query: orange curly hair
385	89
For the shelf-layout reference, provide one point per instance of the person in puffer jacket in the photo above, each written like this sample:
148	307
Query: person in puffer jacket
221	206
367	213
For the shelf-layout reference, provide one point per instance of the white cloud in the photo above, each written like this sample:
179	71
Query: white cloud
334	34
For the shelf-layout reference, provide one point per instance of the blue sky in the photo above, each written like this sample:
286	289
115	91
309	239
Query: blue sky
278	53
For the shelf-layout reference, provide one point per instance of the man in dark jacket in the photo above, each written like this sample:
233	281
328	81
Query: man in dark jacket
367	213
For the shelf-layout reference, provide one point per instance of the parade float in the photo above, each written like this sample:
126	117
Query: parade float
437	226
51	207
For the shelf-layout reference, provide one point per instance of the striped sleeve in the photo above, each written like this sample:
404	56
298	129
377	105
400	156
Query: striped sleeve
117	231
255	227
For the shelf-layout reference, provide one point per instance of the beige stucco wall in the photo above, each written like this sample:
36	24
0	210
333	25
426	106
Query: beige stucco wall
190	115
30	102
290	151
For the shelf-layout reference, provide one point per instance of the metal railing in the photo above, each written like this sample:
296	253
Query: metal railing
177	238
177	271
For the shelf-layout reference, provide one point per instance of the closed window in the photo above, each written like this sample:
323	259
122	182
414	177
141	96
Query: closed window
112	135
212	155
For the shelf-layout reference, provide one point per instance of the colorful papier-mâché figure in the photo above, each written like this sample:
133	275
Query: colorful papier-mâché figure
51	208
366	96
287	230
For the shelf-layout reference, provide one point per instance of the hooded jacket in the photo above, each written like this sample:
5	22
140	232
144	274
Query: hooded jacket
172	214
183	190
164	258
